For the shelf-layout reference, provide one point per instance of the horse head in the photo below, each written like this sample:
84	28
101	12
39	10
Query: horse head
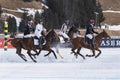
72	30
52	35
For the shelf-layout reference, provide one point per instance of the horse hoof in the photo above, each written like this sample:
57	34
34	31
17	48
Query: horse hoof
71	53
84	58
35	61
45	55
87	55
96	56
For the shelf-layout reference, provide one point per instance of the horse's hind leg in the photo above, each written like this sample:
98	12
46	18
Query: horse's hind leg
57	50
29	53
18	51
78	52
98	53
93	51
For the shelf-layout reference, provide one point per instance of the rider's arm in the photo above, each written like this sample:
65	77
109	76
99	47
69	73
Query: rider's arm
94	31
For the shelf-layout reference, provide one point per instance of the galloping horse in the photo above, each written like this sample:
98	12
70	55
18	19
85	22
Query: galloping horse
52	39
28	44
25	43
79	42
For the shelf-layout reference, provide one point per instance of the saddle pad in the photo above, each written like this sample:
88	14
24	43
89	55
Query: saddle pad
36	42
61	40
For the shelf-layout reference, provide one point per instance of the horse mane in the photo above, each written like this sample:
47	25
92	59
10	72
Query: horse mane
100	34
49	32
73	30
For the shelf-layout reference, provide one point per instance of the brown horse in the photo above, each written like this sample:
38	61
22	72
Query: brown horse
79	42
24	43
52	40
28	44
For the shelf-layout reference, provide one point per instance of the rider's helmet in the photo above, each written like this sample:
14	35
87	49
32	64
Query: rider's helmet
67	21
92	21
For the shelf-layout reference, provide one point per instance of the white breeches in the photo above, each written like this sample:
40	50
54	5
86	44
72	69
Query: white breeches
38	34
64	35
90	36
27	36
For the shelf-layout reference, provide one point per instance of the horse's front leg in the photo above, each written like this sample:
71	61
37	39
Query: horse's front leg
78	52
98	53
36	53
50	52
30	55
18	51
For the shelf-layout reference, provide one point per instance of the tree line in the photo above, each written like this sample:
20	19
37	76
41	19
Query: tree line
78	12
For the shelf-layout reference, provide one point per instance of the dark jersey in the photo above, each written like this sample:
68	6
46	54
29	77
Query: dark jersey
90	30
27	30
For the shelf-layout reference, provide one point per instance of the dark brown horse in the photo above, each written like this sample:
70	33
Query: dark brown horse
79	42
28	44
24	43
52	40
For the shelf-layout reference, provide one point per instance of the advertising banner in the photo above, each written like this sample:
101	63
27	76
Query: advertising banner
2	43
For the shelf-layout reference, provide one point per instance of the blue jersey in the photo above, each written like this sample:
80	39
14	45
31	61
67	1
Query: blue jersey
90	30
27	30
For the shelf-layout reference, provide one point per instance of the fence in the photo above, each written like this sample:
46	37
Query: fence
110	43
105	43
2	41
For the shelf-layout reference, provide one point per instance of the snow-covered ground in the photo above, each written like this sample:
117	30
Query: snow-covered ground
105	67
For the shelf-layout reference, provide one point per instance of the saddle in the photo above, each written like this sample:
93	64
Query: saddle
39	41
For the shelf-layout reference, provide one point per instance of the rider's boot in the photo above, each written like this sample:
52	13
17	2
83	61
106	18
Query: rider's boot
65	39
92	44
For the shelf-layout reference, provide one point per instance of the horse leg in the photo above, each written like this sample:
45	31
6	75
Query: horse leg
37	53
18	51
93	51
52	52
98	53
57	50
73	51
78	52
29	53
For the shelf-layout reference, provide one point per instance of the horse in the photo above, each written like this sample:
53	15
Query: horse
79	42
52	40
28	44
24	43
55	43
